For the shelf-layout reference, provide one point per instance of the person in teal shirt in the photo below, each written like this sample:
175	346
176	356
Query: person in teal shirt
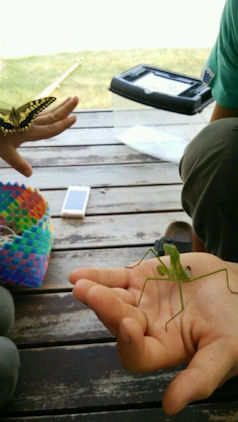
209	165
221	69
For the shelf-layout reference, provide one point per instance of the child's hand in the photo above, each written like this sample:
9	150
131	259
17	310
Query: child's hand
46	125
205	333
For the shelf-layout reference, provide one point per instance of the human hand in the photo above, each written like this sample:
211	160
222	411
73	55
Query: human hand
47	124
205	333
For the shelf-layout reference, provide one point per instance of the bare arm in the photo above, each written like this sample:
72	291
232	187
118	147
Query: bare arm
220	112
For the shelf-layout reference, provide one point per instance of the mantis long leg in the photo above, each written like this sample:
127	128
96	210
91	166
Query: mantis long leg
183	278
194	279
145	282
180	293
211	273
151	250
182	305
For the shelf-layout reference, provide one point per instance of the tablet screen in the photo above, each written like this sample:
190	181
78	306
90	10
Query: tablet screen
156	83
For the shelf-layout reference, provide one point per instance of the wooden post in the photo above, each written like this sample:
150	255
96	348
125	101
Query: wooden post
48	91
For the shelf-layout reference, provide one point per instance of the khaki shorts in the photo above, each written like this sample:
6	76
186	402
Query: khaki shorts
209	171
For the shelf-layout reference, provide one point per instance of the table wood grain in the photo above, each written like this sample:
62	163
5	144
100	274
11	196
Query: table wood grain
69	365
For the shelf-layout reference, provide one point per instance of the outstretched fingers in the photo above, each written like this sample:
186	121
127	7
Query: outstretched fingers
108	304
46	131
56	107
57	113
117	277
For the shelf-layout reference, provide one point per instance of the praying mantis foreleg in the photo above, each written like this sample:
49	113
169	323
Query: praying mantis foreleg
151	250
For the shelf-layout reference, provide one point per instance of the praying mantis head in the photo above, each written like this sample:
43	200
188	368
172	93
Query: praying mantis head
173	253
171	250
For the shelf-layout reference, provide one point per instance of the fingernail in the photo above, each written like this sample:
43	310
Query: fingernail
27	172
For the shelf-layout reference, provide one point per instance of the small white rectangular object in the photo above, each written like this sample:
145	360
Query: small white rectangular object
75	202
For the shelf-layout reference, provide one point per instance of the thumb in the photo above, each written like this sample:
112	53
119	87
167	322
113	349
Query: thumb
130	344
15	160
139	352
209	366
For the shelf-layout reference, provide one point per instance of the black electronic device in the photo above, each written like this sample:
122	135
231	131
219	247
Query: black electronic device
162	89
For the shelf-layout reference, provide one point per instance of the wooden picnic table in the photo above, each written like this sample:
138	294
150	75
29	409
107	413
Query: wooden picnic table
69	365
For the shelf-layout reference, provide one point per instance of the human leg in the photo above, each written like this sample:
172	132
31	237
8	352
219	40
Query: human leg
9	356
9	368
210	175
7	311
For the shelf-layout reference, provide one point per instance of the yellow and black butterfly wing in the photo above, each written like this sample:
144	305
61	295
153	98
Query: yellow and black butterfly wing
5	121
22	117
28	112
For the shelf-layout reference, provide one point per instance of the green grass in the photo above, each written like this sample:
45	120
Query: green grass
22	79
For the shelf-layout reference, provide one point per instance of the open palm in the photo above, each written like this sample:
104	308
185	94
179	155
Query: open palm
205	333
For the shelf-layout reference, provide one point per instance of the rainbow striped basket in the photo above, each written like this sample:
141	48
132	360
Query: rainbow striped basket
24	254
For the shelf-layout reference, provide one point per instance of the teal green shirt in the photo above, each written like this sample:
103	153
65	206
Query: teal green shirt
221	69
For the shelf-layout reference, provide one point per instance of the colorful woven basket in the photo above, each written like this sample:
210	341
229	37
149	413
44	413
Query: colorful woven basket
24	258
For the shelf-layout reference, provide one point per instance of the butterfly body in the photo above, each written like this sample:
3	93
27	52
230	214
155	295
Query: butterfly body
20	119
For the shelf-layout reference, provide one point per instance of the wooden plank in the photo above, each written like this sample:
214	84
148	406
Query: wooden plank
92	136
55	318
149	115
114	230
97	176
82	155
200	412
122	199
80	377
72	153
104	136
63	262
89	377
93	232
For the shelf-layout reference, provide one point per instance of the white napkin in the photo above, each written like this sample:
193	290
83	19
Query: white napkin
154	142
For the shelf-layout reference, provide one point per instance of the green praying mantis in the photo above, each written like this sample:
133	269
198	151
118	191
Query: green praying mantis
176	272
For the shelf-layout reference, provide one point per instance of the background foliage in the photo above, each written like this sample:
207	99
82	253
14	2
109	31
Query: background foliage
22	79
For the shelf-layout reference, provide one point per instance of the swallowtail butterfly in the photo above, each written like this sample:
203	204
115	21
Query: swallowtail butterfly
20	119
